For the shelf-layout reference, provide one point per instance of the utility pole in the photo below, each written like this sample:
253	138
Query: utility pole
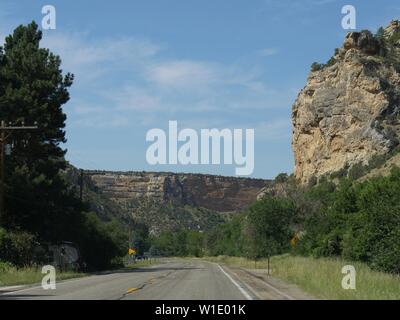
81	184
5	133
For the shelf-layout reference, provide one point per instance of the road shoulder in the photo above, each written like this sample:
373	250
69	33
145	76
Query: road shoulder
264	286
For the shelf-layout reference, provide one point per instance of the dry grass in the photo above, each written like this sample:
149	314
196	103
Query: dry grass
10	276
18	276
322	277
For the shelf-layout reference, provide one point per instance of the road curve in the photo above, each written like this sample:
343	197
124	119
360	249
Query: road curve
171	280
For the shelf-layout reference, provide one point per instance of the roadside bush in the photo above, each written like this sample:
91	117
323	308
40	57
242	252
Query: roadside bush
361	224
17	247
269	226
5	266
375	228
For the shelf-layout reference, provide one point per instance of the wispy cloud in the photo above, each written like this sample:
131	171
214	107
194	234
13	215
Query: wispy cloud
92	58
126	79
183	73
271	130
153	88
268	52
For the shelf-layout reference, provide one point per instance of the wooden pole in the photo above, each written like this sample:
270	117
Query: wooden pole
81	185
5	132
2	142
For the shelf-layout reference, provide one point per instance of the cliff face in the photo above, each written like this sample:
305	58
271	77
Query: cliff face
349	109
217	193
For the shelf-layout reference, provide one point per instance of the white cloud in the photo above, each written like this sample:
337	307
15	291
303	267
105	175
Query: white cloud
268	52
276	129
182	73
91	58
207	85
125	80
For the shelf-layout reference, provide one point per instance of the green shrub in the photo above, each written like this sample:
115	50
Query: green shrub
361	224
17	247
331	62
377	161
269	222
357	171
339	174
5	266
316	66
282	177
312	181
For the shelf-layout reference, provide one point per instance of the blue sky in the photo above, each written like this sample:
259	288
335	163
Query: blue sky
207	64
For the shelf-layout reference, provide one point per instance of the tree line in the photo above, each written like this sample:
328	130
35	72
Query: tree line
356	221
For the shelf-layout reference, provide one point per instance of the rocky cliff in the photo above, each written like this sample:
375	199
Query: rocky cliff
349	109
216	193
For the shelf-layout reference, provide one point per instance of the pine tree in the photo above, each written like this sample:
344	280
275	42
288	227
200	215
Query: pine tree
33	89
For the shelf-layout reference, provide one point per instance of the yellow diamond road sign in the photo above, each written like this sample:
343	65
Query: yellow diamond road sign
131	251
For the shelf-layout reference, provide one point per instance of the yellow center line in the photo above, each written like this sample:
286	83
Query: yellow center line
130	290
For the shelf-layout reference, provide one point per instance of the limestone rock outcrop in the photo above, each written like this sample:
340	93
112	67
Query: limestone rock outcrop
349	109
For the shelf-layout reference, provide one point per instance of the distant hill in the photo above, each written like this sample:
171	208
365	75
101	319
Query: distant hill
167	201
219	193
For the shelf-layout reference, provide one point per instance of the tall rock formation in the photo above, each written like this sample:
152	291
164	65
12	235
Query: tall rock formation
349	109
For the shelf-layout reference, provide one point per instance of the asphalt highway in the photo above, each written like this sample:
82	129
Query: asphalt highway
170	280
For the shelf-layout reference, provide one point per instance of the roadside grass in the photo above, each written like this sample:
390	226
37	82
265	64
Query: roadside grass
142	263
30	275
12	276
322	277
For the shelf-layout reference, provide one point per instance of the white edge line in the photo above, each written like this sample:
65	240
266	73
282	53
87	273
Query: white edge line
58	282
39	286
248	287
8	293
247	296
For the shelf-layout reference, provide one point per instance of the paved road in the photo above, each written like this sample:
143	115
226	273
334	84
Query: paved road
174	280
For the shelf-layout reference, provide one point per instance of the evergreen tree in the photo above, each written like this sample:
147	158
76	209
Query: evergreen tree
40	204
33	89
